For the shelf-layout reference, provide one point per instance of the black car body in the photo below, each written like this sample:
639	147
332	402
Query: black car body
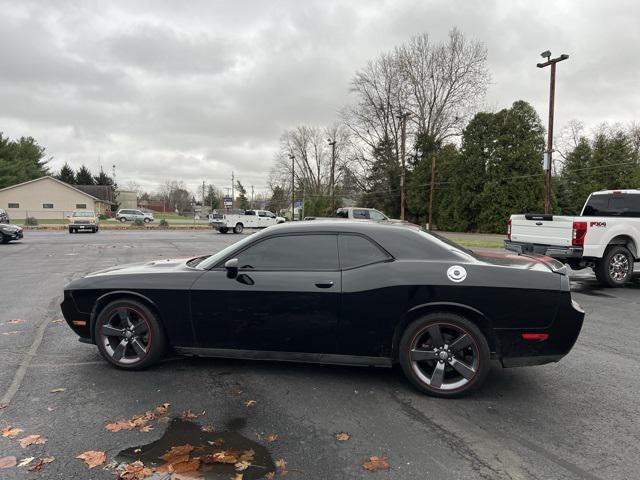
343	292
9	232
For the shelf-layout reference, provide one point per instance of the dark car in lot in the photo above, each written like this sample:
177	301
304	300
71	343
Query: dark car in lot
9	232
351	292
4	216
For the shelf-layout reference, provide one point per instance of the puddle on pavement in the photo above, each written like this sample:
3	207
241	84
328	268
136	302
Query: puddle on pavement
182	432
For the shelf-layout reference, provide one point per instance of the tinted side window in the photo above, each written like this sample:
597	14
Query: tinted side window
596	206
357	251
624	205
292	252
342	213
360	213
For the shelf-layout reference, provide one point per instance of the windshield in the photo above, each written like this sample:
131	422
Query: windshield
83	214
213	260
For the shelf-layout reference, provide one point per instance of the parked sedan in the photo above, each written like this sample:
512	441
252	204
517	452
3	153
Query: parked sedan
9	232
335	292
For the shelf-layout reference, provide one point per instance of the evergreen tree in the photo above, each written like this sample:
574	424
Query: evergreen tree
243	203
103	179
384	180
576	180
278	199
84	177
20	160
66	174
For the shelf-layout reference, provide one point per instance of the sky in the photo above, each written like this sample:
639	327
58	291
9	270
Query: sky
196	90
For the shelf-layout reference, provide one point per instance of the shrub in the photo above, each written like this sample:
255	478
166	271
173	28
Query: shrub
164	223
31	221
138	223
102	216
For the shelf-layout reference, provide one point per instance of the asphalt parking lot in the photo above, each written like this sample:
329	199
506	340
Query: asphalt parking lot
577	419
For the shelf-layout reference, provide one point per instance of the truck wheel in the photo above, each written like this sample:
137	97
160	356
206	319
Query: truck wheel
616	267
223	229
238	228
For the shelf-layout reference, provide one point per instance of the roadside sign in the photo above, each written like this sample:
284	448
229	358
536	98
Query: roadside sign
297	204
228	202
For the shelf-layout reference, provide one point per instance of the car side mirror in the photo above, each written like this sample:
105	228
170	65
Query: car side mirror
231	266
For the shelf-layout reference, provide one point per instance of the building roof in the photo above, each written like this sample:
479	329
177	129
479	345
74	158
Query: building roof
58	181
102	192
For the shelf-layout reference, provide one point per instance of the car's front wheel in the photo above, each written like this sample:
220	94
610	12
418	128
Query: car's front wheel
444	354
123	219
615	268
129	335
147	220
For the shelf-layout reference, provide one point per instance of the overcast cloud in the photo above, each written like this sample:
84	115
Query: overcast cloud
193	90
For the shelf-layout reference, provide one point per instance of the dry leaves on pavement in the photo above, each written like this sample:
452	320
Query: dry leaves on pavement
139	422
282	466
8	462
93	458
26	461
41	462
376	463
342	436
270	437
32	440
250	403
236	392
58	390
134	471
207	428
10	431
58	320
189	415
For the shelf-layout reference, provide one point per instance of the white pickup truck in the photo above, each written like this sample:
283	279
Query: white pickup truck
605	237
250	219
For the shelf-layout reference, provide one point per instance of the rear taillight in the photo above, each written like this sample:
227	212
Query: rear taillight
509	229
578	233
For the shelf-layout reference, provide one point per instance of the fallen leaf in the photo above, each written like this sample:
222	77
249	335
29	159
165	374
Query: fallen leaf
250	403
188	466
247	455
15	321
10	431
36	467
119	425
236	392
25	461
186	476
134	471
281	464
146	428
342	436
189	415
177	452
57	390
225	456
32	440
59	320
270	437
93	458
270	475
217	442
207	428
376	463
163	409
8	462
241	466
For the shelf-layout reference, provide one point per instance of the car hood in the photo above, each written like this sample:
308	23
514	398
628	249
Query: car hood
526	262
11	225
173	264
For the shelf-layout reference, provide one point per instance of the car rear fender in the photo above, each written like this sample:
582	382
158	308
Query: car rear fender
474	315
117	295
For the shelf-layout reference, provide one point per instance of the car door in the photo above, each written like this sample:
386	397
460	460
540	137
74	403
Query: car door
285	297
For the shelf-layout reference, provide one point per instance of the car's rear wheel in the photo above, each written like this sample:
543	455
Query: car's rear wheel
238	228
129	335
615	268
147	220
122	219
444	355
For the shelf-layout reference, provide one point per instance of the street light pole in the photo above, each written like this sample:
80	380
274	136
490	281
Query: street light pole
403	138
332	179
549	154
293	185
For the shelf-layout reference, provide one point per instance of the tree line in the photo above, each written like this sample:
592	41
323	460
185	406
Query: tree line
488	165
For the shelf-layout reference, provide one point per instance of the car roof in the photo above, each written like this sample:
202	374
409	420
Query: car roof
339	225
610	192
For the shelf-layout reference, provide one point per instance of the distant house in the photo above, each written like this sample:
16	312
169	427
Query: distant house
48	198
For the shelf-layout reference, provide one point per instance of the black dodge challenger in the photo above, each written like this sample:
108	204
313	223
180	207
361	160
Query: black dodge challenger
345	292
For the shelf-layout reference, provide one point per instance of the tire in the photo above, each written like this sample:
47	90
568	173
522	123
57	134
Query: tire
223	229
147	220
438	371
238	228
71	230
123	220
146	335
3	239
95	230
615	269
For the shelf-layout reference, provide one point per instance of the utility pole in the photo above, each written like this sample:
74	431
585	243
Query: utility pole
293	184
233	186
431	190
548	164
403	138
332	179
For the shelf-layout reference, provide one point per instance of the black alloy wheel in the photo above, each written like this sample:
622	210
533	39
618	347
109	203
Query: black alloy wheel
616	267
129	335
444	355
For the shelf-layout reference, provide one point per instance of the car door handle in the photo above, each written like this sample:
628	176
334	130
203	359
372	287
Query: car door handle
324	284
